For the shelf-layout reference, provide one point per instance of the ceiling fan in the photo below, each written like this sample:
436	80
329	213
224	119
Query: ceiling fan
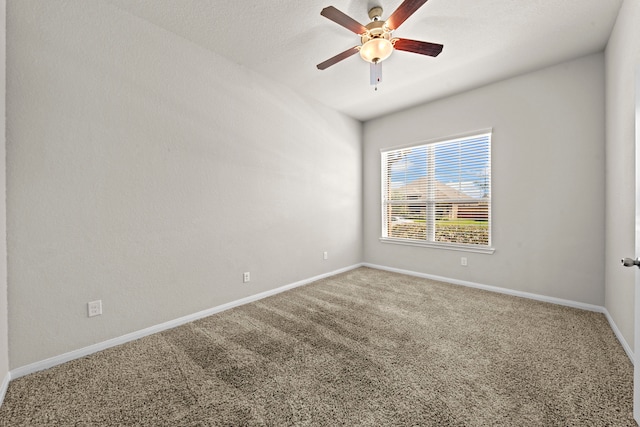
377	42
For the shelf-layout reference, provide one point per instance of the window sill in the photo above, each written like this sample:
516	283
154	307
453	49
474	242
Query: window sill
437	245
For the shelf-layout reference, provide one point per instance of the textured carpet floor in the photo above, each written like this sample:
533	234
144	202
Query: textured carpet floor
366	347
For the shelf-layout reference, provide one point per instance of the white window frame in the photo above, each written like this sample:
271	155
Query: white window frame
430	218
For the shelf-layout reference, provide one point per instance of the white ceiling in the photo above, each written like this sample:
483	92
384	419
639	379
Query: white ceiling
484	41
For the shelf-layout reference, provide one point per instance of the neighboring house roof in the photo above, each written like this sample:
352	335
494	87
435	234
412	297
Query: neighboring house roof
417	189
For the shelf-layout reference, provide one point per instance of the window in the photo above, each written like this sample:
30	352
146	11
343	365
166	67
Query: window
439	194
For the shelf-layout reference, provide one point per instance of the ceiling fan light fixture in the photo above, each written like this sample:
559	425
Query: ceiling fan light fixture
376	50
376	42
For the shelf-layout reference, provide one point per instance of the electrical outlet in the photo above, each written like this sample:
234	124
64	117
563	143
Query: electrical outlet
94	308
325	255
463	261
246	277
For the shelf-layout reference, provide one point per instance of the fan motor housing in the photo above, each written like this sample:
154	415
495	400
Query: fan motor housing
377	30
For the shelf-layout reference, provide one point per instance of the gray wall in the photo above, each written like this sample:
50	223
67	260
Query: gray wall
548	181
622	59
147	172
4	329
150	173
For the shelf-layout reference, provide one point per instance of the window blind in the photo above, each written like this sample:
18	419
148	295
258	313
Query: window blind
438	192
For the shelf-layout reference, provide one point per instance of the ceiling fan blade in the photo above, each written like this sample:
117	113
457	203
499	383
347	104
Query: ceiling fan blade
405	10
339	57
346	21
415	46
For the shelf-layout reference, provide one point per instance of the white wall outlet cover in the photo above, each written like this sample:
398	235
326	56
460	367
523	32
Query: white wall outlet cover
94	308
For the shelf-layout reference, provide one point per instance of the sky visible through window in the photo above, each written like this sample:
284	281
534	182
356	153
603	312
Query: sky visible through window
463	165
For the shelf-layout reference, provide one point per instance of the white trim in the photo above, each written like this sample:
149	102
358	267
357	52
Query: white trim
439	245
4	386
76	354
528	295
452	138
553	300
623	342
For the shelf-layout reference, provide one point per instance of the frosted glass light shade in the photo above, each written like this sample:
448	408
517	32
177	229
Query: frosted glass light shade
376	50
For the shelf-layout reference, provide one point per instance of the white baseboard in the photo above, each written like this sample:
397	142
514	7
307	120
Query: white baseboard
537	297
76	354
4	386
623	342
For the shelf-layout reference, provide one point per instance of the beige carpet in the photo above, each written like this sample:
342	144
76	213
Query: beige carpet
364	348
